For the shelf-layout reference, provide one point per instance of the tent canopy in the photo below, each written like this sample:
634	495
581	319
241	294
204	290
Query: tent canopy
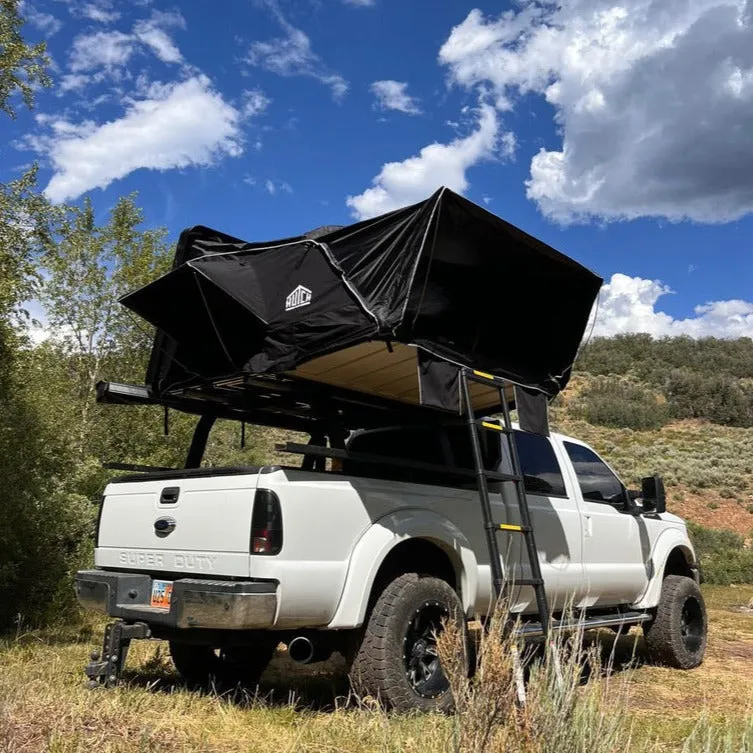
383	311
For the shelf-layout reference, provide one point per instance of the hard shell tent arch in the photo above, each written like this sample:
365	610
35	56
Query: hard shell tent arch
381	313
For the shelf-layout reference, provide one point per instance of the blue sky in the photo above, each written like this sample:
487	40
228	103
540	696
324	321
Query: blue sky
620	136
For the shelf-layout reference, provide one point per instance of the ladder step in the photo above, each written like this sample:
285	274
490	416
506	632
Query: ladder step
481	377
521	582
493	427
530	629
496	476
510	527
527	582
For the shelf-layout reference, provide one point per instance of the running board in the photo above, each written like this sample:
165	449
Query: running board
531	629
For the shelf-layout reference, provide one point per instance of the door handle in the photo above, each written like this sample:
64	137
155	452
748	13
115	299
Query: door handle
169	495
588	527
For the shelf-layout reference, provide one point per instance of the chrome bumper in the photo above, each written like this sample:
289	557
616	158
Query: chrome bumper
195	603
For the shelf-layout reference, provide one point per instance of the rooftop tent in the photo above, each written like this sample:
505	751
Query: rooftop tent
378	313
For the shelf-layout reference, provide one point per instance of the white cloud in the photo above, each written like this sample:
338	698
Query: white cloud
108	50
391	95
255	102
72	82
653	100
152	33
44	22
273	186
100	13
178	125
106	54
401	183
361	3
291	55
160	43
628	304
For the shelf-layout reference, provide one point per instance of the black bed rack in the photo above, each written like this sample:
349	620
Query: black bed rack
325	413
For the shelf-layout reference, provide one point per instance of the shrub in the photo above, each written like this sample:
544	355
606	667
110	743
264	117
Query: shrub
720	398
45	531
722	555
618	403
706	378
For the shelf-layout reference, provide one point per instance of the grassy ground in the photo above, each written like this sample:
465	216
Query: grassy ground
44	705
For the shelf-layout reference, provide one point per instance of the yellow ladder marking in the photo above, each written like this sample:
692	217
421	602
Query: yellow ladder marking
509	527
488	425
484	374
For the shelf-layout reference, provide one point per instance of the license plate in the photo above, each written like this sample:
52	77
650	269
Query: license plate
162	593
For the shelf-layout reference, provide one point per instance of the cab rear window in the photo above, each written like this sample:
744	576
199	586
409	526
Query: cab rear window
419	445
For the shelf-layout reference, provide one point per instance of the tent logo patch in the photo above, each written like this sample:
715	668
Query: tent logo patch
299	297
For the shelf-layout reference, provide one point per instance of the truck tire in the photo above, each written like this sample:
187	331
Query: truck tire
396	660
237	665
677	635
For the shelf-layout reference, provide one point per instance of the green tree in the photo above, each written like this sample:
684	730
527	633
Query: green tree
32	546
87	269
22	66
55	435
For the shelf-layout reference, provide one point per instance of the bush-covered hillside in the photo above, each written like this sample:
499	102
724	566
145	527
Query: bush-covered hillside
642	383
682	408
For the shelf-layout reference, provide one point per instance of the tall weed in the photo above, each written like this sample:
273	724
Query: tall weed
573	702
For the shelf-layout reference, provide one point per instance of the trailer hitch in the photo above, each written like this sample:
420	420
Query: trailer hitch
104	669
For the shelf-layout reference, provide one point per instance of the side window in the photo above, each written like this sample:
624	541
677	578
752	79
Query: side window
541	471
597	482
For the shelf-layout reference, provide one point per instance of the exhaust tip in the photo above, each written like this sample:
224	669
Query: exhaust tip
301	650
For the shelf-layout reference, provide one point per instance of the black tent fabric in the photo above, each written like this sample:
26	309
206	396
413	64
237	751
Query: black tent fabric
410	295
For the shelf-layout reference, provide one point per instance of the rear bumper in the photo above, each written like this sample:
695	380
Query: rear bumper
196	603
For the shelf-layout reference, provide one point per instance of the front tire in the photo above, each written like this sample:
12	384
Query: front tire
677	635
397	659
236	665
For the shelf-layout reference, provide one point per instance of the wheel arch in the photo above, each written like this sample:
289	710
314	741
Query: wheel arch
681	561
673	554
408	541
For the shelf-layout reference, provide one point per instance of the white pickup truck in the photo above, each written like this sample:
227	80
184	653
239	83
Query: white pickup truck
366	559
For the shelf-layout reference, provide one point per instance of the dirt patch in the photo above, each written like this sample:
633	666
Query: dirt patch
726	649
710	510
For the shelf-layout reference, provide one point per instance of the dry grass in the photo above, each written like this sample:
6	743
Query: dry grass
549	697
45	707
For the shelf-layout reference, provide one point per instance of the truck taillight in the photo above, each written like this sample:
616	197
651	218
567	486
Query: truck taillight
266	523
99	520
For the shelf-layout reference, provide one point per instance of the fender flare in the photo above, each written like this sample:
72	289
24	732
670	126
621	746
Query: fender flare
667	541
381	538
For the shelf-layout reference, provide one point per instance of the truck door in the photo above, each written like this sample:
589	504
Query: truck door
556	522
616	547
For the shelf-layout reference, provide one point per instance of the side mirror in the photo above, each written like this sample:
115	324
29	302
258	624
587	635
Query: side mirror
653	495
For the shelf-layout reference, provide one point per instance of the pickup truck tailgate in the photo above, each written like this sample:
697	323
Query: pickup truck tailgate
190	522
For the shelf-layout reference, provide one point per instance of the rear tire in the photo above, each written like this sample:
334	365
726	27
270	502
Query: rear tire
396	660
677	635
236	665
